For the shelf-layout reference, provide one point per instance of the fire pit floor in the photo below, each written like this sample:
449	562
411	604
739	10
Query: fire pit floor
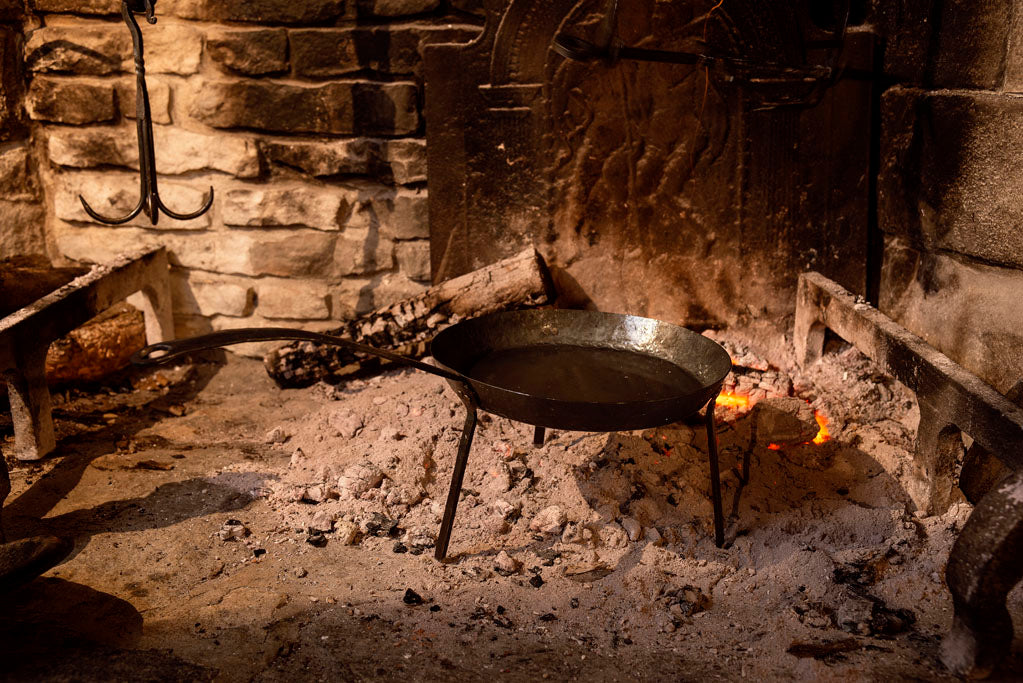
228	529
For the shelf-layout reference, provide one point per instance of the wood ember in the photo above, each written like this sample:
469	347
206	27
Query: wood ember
407	327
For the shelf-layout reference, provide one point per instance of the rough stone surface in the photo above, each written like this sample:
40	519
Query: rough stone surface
22	228
82	50
253	53
115	194
178	151
82	7
410	217
292	299
414	259
404	161
62	101
17	178
196	293
948	175
309	206
973	313
394	50
396	8
361	107
159	98
105	49
1014	56
362	251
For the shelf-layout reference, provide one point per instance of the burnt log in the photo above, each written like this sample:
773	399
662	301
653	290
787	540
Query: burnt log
407	327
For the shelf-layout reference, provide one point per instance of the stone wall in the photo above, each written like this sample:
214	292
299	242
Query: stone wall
950	190
304	116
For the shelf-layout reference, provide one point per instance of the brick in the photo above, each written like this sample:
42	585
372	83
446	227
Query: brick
17	177
971	312
263	11
251	52
159	98
395	8
948	178
115	194
318	53
362	251
22	226
403	161
63	101
77	6
356	107
397	213
198	293
83	50
414	259
308	206
292	300
177	151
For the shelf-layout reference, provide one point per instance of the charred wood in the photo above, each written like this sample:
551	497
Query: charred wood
407	327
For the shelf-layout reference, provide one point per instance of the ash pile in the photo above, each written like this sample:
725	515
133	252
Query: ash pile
822	546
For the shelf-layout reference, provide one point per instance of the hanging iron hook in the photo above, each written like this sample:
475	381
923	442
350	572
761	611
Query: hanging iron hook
149	201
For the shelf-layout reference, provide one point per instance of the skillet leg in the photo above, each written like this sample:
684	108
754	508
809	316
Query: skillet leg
538	434
464	444
715	476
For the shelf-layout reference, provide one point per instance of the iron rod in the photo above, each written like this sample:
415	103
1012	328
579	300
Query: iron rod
715	476
464	445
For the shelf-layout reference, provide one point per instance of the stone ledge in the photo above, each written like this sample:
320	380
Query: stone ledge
949	176
341	108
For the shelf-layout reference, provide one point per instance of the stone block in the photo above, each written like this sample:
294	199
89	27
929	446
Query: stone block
17	178
101	7
262	11
178	151
292	300
22	228
971	312
115	194
403	161
395	8
359	295
63	101
948	177
198	293
362	251
291	253
952	44
1014	56
407	159
414	259
356	107
397	213
91	50
318	53
104	49
310	206
251	52
159	98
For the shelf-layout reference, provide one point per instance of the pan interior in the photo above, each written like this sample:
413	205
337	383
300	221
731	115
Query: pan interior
567	372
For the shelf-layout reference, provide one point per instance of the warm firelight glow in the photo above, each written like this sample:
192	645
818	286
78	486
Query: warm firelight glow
730	400
823	434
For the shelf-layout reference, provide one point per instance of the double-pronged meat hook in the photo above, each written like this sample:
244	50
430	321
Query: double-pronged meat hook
150	202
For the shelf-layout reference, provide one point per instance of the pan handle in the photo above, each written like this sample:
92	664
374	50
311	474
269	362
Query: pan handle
165	351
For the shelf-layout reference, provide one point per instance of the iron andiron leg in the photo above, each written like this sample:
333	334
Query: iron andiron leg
715	475
464	445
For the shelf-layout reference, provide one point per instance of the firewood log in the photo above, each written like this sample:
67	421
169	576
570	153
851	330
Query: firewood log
408	326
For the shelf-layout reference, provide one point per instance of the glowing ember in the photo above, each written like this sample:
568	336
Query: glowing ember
732	400
822	435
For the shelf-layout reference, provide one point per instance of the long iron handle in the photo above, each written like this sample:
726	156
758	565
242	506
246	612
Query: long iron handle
165	351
